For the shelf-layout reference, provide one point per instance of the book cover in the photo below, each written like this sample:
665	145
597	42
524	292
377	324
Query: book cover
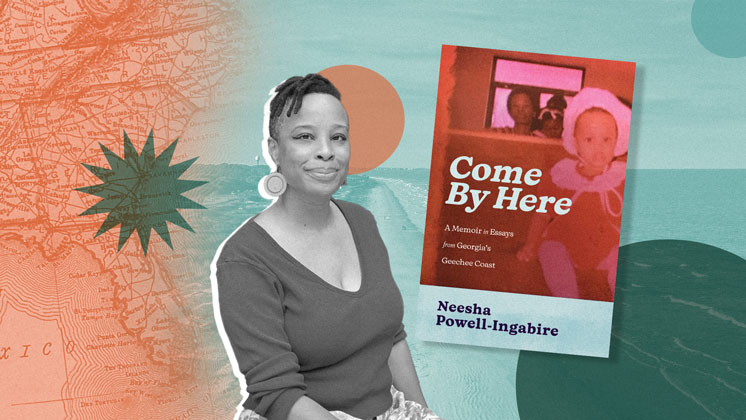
525	200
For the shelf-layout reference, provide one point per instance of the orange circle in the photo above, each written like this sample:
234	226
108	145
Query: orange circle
375	111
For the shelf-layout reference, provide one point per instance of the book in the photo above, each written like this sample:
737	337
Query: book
525	200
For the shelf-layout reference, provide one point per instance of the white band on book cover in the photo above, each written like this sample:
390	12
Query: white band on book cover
514	321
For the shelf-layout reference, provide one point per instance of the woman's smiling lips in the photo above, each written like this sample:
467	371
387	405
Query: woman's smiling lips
322	174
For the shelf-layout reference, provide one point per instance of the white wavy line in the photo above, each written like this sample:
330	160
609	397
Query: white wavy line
678	343
710	310
669	380
696	401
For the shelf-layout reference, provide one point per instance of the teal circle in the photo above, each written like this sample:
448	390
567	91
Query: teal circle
720	26
677	344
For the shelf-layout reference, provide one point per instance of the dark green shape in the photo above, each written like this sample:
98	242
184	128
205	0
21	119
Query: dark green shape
677	347
141	192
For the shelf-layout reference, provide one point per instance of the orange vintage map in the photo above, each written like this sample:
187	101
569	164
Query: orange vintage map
87	332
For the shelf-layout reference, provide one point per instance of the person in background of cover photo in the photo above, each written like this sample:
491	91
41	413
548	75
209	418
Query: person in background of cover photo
578	250
522	110
305	292
550	119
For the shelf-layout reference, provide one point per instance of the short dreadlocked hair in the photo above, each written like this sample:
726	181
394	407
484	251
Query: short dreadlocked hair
289	94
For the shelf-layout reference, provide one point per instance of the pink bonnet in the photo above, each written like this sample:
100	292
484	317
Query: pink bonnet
596	98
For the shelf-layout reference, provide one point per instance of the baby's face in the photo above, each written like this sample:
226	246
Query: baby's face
595	139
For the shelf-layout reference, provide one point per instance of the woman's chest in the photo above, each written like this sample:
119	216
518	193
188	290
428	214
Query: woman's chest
334	259
325	326
331	255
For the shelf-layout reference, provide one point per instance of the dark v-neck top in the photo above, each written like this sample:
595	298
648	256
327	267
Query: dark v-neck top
294	334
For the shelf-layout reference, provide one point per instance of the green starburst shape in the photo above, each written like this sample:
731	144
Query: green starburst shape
141	192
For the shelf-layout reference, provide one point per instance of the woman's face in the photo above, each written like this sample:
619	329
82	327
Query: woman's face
313	149
521	109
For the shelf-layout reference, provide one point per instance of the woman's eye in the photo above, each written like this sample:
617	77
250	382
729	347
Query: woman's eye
303	136
339	137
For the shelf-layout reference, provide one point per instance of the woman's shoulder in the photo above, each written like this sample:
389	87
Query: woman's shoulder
353	211
243	245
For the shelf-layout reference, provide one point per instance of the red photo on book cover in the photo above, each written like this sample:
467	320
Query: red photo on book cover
527	173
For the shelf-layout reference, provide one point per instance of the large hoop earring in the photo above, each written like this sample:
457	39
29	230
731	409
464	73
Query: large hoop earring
274	184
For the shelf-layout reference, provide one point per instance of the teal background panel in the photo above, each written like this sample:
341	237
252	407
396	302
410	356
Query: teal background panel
687	102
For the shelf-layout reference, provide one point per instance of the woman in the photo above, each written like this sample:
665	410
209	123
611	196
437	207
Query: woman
306	295
522	110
